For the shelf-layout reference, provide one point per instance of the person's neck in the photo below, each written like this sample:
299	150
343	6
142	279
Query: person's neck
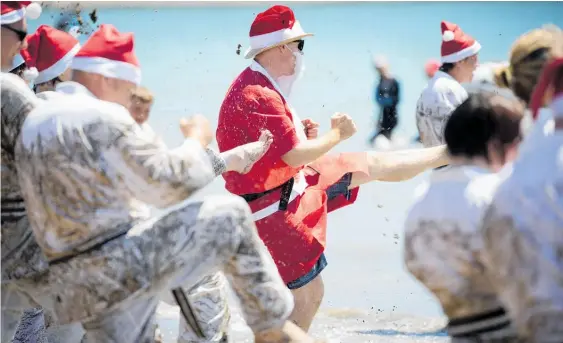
385	76
470	162
273	72
457	75
44	87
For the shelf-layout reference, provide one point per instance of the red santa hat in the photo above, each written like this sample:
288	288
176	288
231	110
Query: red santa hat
456	45
14	11
274	27
49	53
109	53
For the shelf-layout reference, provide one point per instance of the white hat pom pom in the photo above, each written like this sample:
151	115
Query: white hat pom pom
448	36
30	74
33	10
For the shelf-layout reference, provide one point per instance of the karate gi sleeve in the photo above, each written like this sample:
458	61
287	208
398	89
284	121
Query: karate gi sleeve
267	111
430	255
17	101
155	174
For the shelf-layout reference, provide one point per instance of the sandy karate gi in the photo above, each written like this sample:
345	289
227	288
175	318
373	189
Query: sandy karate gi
88	173
443	248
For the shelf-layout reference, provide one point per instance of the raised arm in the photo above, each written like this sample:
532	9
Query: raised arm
342	127
155	174
268	112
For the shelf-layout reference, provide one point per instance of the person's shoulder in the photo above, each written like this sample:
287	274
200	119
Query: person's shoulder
418	205
481	189
446	85
12	84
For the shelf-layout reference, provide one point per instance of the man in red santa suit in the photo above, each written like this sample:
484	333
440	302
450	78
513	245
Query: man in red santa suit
293	187
48	57
444	91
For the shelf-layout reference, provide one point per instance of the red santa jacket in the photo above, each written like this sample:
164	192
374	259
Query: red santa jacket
295	237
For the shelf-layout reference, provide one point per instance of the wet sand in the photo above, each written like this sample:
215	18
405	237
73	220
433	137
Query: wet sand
342	326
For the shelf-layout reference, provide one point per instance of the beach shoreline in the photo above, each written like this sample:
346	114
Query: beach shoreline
338	325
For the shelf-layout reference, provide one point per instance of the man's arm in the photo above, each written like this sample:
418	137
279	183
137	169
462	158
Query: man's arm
397	95
17	101
268	112
309	151
155	174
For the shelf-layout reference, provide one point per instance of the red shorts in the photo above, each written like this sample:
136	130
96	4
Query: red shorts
296	238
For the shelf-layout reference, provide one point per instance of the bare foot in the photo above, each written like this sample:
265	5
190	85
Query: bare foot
289	333
242	158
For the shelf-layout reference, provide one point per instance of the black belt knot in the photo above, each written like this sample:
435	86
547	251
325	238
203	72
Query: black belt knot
286	189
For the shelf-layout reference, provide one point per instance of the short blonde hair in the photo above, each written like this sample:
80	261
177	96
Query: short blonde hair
528	55
142	94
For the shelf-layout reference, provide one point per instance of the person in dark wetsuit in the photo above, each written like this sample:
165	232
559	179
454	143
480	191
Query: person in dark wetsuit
387	98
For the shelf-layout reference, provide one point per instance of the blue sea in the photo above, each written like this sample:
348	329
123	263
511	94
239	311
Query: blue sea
188	57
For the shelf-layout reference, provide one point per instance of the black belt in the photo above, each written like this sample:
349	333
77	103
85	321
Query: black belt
478	324
89	249
286	189
187	311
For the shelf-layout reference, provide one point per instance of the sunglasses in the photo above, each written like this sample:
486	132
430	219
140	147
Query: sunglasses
300	44
21	34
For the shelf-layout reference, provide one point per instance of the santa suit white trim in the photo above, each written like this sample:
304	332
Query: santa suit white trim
108	68
462	54
300	184
12	17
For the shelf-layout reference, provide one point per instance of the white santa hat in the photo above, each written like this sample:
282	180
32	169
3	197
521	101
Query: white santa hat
49	53
109	53
14	11
274	27
456	45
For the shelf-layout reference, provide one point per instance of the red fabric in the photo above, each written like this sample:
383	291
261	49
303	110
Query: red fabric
273	19
250	106
460	41
47	46
109	43
10	6
297	237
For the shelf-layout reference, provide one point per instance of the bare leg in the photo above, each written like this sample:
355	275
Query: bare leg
307	302
400	165
289	333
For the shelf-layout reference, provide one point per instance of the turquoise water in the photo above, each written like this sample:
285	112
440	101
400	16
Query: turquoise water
188	59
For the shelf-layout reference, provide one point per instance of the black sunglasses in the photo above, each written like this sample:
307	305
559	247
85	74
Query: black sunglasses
300	44
21	34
